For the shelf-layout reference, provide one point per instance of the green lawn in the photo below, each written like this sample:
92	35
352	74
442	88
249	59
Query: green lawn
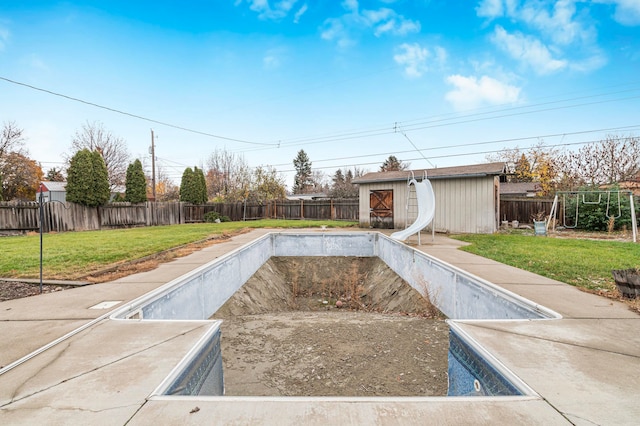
73	255
583	263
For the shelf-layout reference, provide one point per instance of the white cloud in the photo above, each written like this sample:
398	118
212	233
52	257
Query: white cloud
469	92
268	11
4	37
414	58
560	23
552	35
528	50
299	13
495	8
346	28
627	12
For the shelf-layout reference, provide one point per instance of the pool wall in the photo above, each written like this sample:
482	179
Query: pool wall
458	294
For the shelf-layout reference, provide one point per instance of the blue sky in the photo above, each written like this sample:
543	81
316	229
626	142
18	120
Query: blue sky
349	82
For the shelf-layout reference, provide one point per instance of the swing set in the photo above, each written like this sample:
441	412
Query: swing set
613	210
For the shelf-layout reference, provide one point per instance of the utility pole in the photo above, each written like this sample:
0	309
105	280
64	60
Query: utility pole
153	166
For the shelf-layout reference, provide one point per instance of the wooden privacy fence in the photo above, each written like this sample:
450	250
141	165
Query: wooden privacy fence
524	209
339	209
59	217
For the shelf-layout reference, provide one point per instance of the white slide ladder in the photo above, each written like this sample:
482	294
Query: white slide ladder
426	210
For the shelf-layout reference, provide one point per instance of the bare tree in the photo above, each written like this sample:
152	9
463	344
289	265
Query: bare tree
11	139
228	176
166	189
614	159
94	137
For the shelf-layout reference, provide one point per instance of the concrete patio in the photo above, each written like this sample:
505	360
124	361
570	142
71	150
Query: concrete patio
583	367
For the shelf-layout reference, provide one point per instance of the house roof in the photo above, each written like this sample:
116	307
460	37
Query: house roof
513	188
475	170
54	186
312	196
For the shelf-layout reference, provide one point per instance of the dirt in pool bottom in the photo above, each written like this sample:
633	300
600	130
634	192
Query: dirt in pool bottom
334	353
283	335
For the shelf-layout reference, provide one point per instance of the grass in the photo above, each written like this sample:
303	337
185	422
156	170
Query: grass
74	255
583	263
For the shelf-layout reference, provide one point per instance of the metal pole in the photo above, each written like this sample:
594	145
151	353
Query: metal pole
634	221
153	166
41	223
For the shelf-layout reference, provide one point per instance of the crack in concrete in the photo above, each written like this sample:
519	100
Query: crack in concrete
93	370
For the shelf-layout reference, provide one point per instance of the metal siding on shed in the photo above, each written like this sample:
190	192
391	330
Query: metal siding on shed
463	205
60	196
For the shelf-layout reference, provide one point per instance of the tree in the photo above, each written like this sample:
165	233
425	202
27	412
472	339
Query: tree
87	182
193	186
303	180
614	159
11	141
166	190
228	176
523	171
187	185
537	164
20	177
342	184
267	185
136	183
200	186
54	175
392	164
94	137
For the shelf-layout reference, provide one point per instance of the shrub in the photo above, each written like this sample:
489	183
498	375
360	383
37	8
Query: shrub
211	217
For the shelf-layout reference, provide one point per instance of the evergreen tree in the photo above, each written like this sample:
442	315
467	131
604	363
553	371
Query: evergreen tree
87	181
392	164
79	180
136	184
193	187
302	181
186	186
54	175
101	190
200	186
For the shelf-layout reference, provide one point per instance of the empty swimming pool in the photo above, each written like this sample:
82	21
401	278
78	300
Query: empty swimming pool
456	293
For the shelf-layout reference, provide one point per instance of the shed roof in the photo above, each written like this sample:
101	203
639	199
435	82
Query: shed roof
54	186
475	170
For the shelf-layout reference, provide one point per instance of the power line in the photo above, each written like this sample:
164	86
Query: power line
462	154
471	144
428	123
139	117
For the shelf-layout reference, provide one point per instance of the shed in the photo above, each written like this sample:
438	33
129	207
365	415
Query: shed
52	191
467	198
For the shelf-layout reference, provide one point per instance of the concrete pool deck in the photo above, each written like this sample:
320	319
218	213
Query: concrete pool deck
584	367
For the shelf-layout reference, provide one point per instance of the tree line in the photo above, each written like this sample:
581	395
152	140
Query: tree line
99	166
604	163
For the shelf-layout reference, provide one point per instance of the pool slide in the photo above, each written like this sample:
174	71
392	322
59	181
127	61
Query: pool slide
426	210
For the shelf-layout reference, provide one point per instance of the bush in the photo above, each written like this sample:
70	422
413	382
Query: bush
592	211
212	217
